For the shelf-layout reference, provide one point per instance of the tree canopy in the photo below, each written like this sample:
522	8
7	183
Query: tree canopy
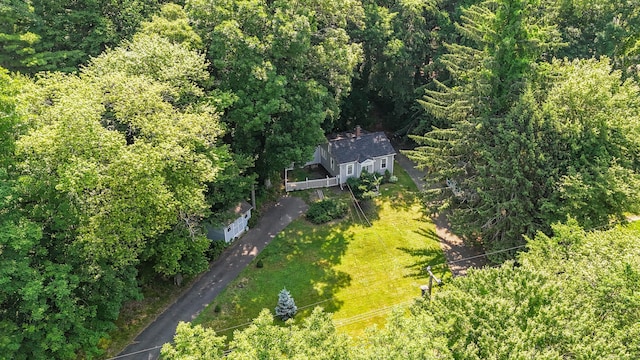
126	124
551	303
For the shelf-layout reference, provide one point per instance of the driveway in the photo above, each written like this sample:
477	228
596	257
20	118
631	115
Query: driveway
221	272
460	257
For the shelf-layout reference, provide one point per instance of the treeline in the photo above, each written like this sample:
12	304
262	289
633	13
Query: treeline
539	120
125	124
570	296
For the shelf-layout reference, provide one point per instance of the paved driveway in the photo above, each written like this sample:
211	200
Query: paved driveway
221	272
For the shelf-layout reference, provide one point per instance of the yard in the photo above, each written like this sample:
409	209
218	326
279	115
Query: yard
358	273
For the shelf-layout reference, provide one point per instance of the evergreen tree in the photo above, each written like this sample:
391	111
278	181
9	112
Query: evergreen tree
286	308
470	163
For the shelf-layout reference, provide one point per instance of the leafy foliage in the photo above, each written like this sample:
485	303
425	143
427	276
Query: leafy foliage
326	210
194	342
289	67
507	166
366	186
571	295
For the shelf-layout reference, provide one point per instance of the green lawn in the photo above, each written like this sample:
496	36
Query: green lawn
354	271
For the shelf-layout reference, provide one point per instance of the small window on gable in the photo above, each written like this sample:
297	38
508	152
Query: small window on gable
229	229
383	164
246	216
349	169
332	163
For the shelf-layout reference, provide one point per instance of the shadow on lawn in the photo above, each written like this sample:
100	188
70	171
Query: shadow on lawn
427	256
304	263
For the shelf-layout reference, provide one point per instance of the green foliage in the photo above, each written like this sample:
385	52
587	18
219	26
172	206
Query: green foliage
574	293
107	171
286	308
315	338
366	186
289	67
528	143
216	247
172	23
60	35
326	210
194	342
399	43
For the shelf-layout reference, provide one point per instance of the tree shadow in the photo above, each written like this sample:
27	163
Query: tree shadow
429	255
302	259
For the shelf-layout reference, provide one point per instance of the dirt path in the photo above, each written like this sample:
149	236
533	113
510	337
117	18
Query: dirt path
221	272
459	256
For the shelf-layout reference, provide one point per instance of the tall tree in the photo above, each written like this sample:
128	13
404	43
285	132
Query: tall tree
399	40
288	64
600	28
110	171
470	163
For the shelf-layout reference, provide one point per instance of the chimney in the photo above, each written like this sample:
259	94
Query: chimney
358	131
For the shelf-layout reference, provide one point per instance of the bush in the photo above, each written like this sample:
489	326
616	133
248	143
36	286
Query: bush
217	309
366	186
215	249
393	179
326	210
259	264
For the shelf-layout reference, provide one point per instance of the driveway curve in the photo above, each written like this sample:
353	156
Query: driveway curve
460	257
221	272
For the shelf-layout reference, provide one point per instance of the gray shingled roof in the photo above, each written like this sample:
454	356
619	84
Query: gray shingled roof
348	148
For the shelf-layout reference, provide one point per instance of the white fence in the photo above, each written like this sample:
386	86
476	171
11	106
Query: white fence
311	184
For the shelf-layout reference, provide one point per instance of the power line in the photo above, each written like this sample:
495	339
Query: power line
135	353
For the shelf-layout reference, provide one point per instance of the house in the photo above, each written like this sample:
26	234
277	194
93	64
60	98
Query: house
239	216
346	155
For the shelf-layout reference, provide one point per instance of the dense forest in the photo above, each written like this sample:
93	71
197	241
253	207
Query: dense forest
126	125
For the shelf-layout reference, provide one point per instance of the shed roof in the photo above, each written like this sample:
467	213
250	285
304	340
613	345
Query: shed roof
348	148
241	208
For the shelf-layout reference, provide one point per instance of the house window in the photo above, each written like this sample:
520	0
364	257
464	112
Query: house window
229	229
349	169
383	163
332	164
246	216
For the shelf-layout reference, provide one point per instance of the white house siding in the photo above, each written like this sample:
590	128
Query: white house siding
326	162
236	228
378	164
357	168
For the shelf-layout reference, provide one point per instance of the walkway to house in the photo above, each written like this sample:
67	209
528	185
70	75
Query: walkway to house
221	272
453	247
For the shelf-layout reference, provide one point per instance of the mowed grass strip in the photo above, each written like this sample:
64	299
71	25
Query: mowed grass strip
357	272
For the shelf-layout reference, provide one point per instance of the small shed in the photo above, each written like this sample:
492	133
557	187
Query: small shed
232	229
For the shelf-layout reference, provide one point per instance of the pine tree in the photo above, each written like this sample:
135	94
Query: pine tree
286	308
470	167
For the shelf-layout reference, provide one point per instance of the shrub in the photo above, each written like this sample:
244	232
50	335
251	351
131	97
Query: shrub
326	210
393	179
217	309
259	264
215	249
387	176
366	186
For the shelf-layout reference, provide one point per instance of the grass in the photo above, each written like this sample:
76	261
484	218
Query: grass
354	271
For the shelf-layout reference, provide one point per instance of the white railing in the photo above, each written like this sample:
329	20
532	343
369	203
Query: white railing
311	184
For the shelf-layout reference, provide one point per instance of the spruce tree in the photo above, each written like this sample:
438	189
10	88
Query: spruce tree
286	308
471	169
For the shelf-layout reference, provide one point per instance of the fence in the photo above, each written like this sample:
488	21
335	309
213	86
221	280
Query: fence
311	184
